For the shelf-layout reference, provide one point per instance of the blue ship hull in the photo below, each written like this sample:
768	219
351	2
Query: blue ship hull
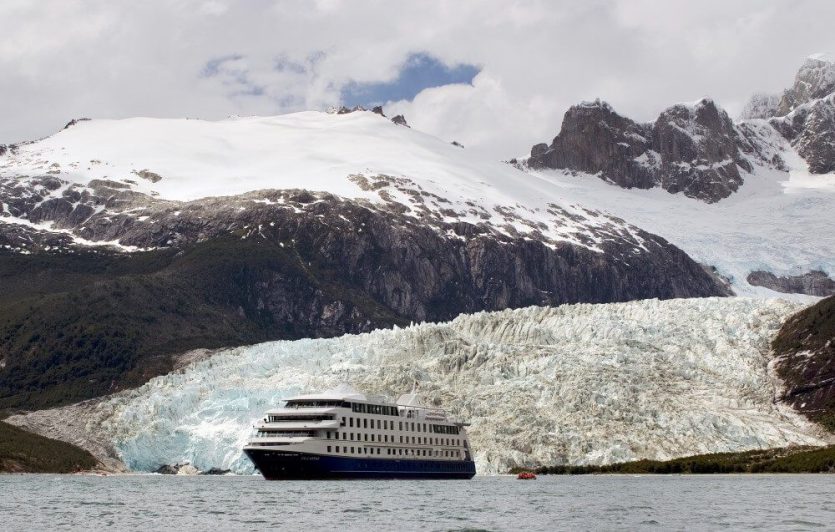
284	465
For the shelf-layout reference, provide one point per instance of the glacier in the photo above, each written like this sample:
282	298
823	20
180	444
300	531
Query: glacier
575	384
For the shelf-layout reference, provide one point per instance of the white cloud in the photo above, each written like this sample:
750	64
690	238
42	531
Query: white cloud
62	59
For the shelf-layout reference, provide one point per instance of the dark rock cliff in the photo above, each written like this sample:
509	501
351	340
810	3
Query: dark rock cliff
811	130
804	114
805	360
814	283
694	150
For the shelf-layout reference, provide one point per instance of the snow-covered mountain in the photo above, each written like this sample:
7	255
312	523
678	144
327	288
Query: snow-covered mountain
576	384
303	225
358	156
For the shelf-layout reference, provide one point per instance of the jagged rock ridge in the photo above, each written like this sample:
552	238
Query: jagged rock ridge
814	283
695	150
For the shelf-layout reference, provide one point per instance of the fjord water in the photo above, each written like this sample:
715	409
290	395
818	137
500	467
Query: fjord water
155	502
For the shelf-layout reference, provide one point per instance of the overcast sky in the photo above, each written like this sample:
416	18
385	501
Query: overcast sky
495	75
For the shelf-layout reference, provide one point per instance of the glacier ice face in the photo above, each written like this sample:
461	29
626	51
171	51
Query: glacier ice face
576	384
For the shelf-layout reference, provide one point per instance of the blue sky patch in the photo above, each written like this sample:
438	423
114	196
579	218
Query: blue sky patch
419	71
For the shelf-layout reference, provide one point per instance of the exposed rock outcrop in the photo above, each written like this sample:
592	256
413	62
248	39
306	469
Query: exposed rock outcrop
805	360
811	130
400	120
814	283
689	149
804	114
815	79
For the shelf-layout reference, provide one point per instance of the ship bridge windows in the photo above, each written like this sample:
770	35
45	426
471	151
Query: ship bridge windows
380	410
314	403
280	418
285	434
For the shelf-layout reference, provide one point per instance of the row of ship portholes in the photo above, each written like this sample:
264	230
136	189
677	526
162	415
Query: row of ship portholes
425	453
385	438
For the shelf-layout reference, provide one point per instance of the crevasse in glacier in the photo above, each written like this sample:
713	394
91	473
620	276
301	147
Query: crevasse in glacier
575	384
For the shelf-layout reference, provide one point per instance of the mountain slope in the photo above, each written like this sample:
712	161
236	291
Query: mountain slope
576	384
805	351
24	452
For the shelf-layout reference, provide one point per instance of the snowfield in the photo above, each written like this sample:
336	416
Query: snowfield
358	155
576	384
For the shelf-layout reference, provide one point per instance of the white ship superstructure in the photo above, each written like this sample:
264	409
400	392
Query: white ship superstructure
343	433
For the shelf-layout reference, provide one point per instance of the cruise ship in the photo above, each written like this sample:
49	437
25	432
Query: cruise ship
345	434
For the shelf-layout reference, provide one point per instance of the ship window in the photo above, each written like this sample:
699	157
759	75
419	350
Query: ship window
401	425
337	448
352	449
328	434
350	422
413	426
329	448
365	423
366	437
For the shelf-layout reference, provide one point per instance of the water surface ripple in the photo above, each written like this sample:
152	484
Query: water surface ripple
599	502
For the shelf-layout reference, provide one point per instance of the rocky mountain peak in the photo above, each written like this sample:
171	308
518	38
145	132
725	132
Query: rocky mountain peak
699	153
689	148
596	139
815	79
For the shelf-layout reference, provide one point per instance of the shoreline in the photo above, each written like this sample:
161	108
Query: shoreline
785	460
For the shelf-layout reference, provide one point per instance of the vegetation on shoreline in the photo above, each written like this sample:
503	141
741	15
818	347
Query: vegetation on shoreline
783	460
25	452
